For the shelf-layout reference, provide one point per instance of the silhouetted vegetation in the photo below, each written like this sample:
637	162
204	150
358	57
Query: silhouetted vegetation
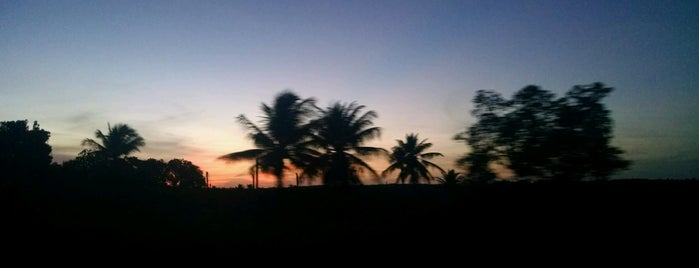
107	164
182	173
410	158
538	136
280	136
326	146
106	198
451	177
24	153
120	141
338	135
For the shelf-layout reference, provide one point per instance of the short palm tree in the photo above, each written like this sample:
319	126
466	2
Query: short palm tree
409	157
451	177
120	141
280	135
339	135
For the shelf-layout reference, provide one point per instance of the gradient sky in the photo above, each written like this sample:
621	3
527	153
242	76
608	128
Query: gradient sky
180	71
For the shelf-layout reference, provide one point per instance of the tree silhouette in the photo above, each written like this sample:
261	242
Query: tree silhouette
583	134
23	151
482	136
538	136
282	132
150	171
451	177
410	158
338	136
182	173
120	141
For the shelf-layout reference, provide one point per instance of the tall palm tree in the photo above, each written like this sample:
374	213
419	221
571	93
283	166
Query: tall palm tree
279	137
120	141
409	157
338	136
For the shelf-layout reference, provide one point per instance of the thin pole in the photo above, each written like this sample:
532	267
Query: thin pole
257	174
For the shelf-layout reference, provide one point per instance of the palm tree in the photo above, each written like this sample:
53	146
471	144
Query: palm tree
120	141
451	177
408	157
338	135
279	137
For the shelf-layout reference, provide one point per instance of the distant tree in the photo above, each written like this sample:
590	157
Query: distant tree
150	171
338	137
410	158
538	136
451	177
182	173
483	136
105	161
23	151
82	166
280	136
583	134
120	141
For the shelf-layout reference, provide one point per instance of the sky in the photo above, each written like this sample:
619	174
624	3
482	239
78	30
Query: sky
179	72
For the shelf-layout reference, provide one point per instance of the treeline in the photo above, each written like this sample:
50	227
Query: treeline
534	135
25	158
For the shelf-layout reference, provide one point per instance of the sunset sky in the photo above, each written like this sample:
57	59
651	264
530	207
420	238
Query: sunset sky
179	72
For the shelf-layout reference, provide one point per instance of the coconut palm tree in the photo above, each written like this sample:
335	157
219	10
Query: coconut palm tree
451	177
120	141
409	157
279	136
339	135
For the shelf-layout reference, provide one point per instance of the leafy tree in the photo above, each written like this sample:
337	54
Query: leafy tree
538	136
120	141
339	135
279	137
182	173
483	136
583	135
23	151
410	158
451	177
150	172
83	166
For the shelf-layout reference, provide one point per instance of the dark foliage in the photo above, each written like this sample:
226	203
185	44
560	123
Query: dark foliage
338	138
24	152
409	157
538	136
279	136
182	173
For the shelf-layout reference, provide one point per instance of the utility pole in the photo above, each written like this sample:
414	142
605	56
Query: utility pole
257	173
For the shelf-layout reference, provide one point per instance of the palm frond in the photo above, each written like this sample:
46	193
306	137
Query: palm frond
356	161
251	154
432	165
370	151
431	155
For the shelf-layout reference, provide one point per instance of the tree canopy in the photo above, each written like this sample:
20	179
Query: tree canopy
536	135
23	151
182	173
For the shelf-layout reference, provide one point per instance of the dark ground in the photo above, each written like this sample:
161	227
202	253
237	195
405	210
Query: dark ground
586	218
